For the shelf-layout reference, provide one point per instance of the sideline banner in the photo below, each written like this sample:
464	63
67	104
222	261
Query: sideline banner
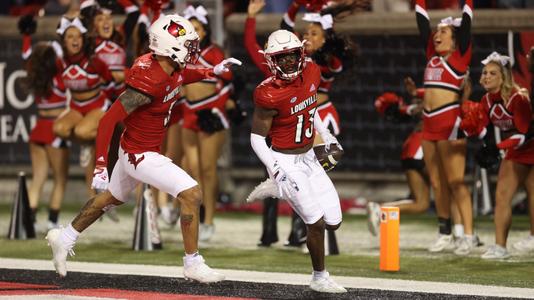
17	111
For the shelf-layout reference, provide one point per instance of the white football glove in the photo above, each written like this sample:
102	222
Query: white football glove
287	187
329	139
100	179
224	66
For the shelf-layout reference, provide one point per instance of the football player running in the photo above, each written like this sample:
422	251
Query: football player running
153	87
285	109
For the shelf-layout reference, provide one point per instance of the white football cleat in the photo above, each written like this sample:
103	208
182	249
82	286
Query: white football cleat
267	189
444	242
373	218
59	252
525	245
496	252
197	270
326	285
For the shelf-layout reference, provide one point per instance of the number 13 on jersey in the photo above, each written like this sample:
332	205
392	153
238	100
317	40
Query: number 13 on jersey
305	125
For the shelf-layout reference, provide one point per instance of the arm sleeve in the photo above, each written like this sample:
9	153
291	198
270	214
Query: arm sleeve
464	32
105	131
195	75
262	151
253	48
522	112
26	46
288	20
423	23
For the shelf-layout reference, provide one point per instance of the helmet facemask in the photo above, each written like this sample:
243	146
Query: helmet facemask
287	64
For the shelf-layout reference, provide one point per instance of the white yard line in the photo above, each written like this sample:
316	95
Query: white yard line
283	278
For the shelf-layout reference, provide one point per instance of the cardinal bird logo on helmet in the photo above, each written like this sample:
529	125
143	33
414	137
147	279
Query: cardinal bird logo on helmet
176	29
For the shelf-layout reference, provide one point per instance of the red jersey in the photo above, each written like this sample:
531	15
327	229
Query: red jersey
295	102
145	127
111	54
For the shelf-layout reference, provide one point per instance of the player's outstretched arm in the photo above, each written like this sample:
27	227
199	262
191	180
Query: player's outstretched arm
127	102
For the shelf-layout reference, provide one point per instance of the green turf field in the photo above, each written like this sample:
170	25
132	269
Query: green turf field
416	262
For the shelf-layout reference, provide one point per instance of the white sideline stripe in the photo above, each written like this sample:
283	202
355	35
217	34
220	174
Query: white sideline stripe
282	278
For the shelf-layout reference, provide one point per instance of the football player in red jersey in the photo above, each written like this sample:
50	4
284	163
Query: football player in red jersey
448	52
507	106
285	110
153	88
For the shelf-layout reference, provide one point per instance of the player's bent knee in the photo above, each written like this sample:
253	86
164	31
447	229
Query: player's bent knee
333	227
191	196
320	225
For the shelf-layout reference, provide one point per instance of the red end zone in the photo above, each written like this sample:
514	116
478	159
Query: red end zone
23	289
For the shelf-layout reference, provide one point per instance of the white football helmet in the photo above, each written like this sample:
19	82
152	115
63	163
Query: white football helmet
282	42
175	37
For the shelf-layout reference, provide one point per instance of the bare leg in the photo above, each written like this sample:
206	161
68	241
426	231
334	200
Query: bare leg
190	201
452	154
93	209
58	158
315	243
435	172
510	175
529	185
40	173
64	125
421	191
210	150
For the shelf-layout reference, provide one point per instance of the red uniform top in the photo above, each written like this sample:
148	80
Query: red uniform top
145	127
513	118
295	102
83	74
446	72
57	97
111	54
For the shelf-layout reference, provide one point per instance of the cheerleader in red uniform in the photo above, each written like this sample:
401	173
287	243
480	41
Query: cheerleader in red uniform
448	53
205	122
507	106
46	149
90	82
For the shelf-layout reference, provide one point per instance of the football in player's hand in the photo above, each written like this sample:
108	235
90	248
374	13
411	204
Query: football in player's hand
328	159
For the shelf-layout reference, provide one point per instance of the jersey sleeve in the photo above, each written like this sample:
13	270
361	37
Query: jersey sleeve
262	99
423	24
253	48
139	79
522	112
192	75
464	32
26	46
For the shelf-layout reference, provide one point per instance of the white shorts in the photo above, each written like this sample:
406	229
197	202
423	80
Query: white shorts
149	167
317	197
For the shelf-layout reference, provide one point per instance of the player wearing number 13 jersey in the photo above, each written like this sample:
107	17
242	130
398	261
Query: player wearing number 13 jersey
153	87
286	105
